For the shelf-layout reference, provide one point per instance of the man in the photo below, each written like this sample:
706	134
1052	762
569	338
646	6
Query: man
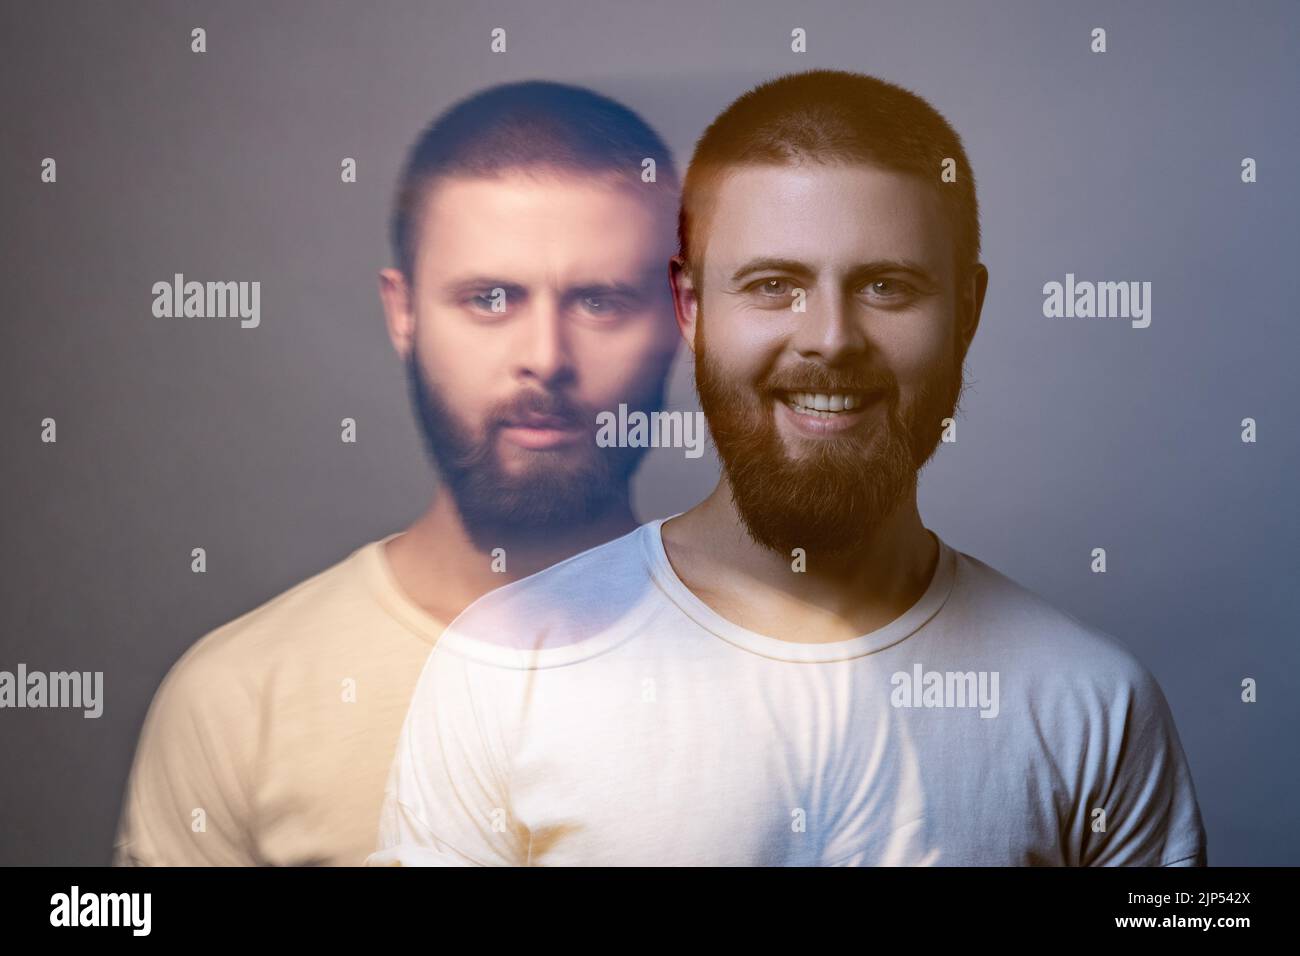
797	671
530	294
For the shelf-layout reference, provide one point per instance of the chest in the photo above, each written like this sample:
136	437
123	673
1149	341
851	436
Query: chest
695	769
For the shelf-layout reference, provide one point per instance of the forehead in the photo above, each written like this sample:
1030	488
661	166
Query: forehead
525	225
829	216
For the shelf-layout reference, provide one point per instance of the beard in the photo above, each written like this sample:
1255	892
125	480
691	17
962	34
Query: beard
557	490
834	497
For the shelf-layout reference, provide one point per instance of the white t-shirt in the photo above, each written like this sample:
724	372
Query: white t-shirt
599	713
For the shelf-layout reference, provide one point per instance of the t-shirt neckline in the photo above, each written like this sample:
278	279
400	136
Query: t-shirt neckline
903	626
388	591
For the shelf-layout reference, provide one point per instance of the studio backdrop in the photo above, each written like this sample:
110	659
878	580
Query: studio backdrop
1162	436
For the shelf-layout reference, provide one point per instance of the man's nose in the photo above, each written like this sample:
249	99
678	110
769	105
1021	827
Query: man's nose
830	329
542	353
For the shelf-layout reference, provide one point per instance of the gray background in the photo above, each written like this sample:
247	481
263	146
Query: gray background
1076	434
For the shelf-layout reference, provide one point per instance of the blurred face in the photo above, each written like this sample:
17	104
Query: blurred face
538	302
827	350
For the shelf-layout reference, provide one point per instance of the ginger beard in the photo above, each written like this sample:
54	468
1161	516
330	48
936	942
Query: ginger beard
832	494
557	490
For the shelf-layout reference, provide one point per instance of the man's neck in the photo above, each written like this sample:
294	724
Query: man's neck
809	600
439	566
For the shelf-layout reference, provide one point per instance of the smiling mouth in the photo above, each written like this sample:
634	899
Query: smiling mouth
835	403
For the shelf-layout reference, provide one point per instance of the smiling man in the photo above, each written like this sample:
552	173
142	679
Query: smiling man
797	671
529	294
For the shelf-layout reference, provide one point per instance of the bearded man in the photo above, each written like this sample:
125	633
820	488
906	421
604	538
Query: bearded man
527	294
797	671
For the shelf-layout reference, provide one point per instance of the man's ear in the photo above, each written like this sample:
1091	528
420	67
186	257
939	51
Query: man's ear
399	310
685	303
970	303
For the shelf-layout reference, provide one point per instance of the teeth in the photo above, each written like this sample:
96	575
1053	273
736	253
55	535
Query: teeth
824	402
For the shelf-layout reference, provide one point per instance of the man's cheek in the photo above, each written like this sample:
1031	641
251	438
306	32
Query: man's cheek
478	427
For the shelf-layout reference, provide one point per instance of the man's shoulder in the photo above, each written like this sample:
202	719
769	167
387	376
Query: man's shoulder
1040	638
282	626
565	609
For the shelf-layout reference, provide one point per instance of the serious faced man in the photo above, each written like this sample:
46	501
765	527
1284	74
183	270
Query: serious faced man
797	671
529	295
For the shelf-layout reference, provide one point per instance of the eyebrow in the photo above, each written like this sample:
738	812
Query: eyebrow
608	288
859	271
475	283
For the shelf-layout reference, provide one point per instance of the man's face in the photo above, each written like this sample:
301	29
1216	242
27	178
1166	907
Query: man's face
824	417
538	302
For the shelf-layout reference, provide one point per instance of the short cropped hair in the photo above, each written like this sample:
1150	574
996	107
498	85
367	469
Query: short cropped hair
532	125
831	117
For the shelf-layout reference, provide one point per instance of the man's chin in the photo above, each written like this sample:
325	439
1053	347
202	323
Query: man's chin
526	466
830	497
522	511
544	470
847	452
550	495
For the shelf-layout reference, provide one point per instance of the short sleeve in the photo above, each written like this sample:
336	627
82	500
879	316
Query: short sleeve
1151	813
188	798
447	800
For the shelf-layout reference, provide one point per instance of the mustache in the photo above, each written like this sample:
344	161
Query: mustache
533	406
812	377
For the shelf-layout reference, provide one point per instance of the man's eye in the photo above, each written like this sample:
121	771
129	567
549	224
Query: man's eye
889	288
773	288
602	306
494	302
